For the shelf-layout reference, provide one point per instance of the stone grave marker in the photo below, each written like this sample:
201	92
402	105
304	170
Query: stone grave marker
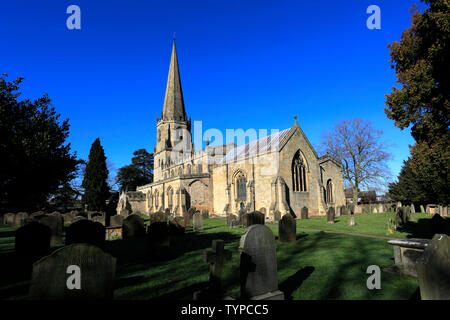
205	214
437	225
198	221
330	215
158	217
255	217
380	208
230	218
191	212
263	210
176	226
9	219
20	219
68	218
241	213
158	240
351	221
86	231
433	269
276	216
413	208
287	228
32	241
216	258
78	271
56	223
133	227
258	264
116	221
187	219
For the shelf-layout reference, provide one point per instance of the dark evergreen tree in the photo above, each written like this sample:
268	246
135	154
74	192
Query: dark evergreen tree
96	188
140	171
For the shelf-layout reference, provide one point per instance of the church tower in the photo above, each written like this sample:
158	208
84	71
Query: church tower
173	137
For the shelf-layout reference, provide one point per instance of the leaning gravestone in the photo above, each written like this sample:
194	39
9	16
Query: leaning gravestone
287	228
330	215
133	227
78	271
32	241
259	276
55	222
433	269
86	231
198	221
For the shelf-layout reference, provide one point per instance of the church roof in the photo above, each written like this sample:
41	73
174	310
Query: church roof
255	147
173	100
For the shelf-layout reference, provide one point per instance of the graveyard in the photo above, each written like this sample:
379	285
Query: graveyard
318	261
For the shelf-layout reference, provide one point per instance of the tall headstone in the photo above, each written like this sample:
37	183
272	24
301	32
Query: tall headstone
304	213
437	225
330	215
133	227
198	221
216	257
351	221
258	265
86	231
56	223
287	229
187	219
433	269
205	214
413	208
78	271
230	218
277	215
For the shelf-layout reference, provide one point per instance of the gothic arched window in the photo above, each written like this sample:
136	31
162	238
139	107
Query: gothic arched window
149	199
299	173
241	182
188	169
329	198
169	197
156	199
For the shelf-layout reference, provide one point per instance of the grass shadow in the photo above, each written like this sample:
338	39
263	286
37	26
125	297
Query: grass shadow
294	282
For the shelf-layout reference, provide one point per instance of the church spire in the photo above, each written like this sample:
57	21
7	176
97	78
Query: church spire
173	101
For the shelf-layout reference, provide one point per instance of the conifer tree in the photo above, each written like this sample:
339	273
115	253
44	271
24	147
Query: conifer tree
96	188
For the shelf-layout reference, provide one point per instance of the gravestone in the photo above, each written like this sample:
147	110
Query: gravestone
375	210
422	209
20	219
338	211
240	215
330	215
205	214
198	221
9	219
187	219
445	212
380	208
258	264
216	257
32	242
56	223
230	218
287	228
133	227
437	225
53	274
116	221
125	212
344	211
158	240
99	219
433	269
263	210
176	226
413	208
68	218
351	221
158	217
191	212
255	217
86	231
276	216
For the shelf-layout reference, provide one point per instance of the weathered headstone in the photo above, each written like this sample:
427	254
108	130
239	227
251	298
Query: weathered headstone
330	215
133	227
422	209
413	208
187	219
68	218
351	221
380	208
78	271
20	219
258	265
86	231
176	226
205	214
276	216
158	217
240	215
230	218
433	269
158	240
9	219
263	210
338	211
198	221
116	221
191	212
287	228
32	241
56	223
252	218
216	258
344	210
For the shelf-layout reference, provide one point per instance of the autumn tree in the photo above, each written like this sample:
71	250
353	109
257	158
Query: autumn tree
360	152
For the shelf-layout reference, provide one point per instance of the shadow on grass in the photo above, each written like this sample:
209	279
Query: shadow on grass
294	282
423	228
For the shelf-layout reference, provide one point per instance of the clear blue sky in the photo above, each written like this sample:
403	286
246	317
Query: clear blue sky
244	64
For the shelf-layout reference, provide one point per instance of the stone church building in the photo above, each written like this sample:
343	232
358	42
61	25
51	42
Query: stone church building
280	172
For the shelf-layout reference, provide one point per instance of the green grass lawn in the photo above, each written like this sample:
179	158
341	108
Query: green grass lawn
317	266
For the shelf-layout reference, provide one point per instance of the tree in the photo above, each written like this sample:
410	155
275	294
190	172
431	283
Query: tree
96	189
356	146
421	62
422	68
35	158
140	172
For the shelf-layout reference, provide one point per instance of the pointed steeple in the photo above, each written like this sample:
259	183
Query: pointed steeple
173	101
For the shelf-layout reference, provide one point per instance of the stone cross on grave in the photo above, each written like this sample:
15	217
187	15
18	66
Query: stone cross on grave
216	257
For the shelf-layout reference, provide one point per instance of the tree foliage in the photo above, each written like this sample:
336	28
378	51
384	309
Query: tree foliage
140	171
96	188
360	152
35	158
421	61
